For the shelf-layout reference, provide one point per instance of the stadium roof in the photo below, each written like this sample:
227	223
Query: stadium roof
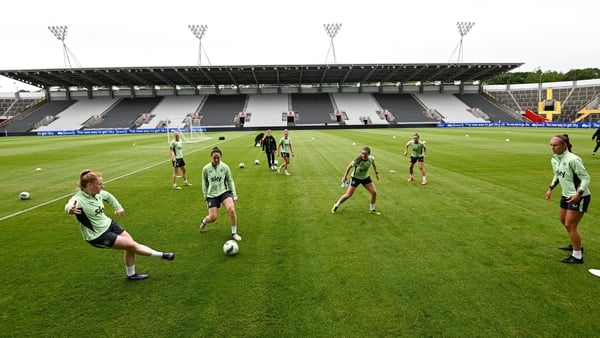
257	75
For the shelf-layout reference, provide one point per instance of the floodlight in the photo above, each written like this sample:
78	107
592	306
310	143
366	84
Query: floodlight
332	29
463	29
60	32
199	31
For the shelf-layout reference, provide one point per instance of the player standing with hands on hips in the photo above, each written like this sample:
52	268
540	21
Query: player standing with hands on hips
176	153
101	231
417	155
218	187
360	175
574	180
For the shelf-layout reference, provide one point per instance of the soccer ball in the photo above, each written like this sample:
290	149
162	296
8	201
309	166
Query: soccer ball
230	247
242	165
24	195
257	162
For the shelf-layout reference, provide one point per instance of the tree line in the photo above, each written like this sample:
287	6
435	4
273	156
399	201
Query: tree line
547	76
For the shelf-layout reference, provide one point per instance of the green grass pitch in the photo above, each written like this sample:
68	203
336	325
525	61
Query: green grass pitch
473	253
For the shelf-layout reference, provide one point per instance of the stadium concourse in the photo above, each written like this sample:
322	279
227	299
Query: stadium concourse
152	99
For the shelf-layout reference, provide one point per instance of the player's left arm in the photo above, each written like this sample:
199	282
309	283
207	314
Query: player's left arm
231	183
376	172
112	200
581	172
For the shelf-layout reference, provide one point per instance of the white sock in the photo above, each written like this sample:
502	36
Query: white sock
156	254
130	270
234	229
372	206
424	178
577	254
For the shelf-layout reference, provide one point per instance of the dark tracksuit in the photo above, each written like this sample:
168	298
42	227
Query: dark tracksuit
269	146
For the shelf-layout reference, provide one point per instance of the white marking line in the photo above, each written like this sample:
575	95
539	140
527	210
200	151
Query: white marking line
65	196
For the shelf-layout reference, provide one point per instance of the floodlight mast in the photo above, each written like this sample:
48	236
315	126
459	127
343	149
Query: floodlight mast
332	29
463	29
538	69
199	31
60	32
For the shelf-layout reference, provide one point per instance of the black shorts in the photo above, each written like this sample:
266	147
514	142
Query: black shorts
178	163
215	202
109	237
581	206
355	182
284	154
414	159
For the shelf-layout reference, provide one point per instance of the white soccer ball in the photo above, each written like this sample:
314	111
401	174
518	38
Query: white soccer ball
257	162
230	247
242	165
24	195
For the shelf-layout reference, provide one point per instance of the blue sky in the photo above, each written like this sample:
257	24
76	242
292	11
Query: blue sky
550	34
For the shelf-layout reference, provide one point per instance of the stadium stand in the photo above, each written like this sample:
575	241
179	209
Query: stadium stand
74	116
11	106
450	107
493	111
267	109
313	109
219	110
359	108
171	106
126	111
403	107
29	119
573	97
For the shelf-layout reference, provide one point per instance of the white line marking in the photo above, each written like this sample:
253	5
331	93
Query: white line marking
111	180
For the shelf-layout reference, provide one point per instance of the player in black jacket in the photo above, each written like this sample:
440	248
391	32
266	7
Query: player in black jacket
269	146
597	137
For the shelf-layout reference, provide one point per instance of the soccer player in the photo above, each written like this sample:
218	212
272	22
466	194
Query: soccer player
269	146
574	181
284	149
597	137
360	175
218	188
101	231
417	155
176	153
